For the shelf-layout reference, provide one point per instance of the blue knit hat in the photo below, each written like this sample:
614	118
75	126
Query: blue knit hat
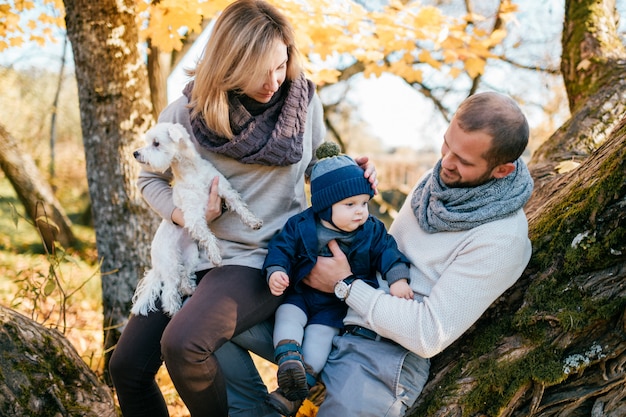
335	178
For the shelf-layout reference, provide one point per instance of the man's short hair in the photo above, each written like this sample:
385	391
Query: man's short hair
500	117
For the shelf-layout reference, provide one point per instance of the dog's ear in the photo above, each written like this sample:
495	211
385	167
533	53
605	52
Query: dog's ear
176	133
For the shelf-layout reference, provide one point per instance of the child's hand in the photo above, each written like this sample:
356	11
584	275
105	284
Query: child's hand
279	281
401	289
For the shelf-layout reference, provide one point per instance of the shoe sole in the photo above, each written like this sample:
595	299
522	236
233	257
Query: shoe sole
291	378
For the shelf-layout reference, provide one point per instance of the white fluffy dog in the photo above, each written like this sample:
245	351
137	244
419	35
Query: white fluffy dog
172	274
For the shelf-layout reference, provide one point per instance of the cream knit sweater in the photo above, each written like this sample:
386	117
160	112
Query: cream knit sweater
456	276
273	193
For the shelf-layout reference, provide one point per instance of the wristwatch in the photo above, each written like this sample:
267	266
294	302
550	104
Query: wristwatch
342	288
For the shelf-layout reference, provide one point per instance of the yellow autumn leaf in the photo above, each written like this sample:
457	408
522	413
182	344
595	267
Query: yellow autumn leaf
307	409
455	72
325	76
425	57
429	16
17	41
508	7
213	7
39	40
452	43
28	5
566	166
497	36
450	56
474	66
409	74
373	70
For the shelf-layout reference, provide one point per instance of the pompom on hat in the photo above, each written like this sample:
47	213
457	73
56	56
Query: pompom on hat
334	178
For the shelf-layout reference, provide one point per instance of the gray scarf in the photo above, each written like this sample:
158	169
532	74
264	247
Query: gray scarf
439	208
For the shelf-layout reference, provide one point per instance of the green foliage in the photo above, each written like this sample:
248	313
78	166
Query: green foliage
38	286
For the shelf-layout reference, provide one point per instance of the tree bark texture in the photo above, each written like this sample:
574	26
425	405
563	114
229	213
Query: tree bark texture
591	47
42	375
35	193
115	112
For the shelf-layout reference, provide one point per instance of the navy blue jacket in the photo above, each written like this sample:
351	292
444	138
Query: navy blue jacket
294	248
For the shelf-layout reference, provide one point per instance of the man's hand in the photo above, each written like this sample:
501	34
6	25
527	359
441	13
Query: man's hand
328	270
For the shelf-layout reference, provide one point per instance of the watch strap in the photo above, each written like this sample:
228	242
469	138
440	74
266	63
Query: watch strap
349	280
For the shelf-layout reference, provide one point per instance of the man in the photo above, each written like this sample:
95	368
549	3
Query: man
463	229
466	235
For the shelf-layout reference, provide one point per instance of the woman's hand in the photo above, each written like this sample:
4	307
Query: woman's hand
328	270
214	206
370	171
213	209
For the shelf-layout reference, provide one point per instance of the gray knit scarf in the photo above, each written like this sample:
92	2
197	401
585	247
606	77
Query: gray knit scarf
273	137
439	208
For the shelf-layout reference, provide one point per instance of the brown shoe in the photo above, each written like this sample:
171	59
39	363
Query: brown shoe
291	374
280	403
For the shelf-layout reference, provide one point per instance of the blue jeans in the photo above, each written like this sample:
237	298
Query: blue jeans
245	388
351	389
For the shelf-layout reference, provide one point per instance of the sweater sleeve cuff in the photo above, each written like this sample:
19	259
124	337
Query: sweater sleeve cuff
360	295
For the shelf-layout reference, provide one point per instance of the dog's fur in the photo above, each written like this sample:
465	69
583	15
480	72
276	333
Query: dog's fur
172	275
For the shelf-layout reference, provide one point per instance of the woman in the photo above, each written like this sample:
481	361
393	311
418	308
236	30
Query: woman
253	114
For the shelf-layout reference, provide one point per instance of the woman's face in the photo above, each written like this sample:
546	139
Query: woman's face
263	89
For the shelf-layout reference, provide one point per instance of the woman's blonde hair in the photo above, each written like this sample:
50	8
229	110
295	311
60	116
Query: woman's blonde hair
235	55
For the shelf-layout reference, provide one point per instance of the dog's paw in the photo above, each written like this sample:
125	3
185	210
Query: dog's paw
215	258
256	225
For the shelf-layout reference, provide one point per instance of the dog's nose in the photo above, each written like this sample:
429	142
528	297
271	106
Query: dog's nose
136	154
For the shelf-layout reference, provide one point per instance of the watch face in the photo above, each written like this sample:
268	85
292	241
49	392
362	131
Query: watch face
341	290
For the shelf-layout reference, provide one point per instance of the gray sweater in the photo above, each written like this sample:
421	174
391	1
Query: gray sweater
273	193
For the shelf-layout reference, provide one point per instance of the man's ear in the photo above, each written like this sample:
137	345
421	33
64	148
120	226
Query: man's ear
503	170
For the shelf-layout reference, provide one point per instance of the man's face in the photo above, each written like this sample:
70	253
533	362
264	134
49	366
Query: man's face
462	161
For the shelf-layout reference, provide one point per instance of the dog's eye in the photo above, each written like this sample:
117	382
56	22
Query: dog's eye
155	143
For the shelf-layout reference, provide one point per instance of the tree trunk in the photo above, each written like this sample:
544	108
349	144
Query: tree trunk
159	68
555	343
115	111
42	375
591	48
35	193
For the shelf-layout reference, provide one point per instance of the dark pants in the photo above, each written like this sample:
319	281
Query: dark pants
228	301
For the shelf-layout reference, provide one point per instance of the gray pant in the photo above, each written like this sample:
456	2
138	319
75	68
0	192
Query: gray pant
362	377
371	378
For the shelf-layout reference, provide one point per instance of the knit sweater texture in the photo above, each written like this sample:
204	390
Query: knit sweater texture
273	193
471	268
